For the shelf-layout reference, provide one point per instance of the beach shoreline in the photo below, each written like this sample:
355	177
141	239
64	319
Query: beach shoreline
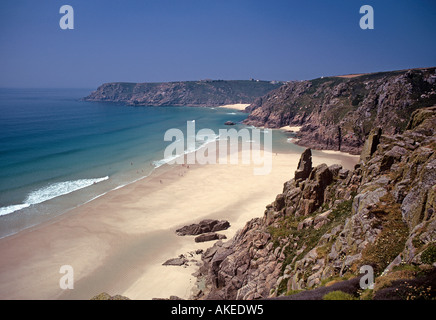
290	128
118	242
236	106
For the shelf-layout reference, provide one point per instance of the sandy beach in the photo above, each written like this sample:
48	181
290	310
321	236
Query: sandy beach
290	128
237	106
118	242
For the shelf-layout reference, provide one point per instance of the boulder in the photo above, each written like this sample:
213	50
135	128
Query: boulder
280	202
306	223
335	169
343	173
304	165
415	203
221	225
314	188
102	296
204	226
419	116
321	219
209	237
371	144
106	296
392	156
322	175
175	262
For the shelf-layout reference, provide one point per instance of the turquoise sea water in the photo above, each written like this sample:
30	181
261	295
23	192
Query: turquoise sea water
57	152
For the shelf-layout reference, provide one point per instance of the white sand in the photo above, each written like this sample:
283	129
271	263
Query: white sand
338	153
289	128
237	106
118	242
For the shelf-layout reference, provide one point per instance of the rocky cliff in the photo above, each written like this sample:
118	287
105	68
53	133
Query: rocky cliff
328	222
206	93
338	113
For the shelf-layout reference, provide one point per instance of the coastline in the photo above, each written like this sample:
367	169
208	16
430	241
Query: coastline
292	129
118	242
236	106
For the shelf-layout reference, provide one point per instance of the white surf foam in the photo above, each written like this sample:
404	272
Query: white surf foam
12	208
161	162
200	142
50	192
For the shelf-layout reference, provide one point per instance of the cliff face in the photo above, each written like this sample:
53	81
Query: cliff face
338	113
329	221
188	93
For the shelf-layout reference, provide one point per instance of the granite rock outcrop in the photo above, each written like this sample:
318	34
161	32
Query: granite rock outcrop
338	113
328	222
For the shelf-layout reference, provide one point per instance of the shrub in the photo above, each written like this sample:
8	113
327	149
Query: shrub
400	274
291	292
332	280
392	238
429	254
338	295
368	294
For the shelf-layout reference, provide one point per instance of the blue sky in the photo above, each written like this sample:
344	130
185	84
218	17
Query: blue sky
172	40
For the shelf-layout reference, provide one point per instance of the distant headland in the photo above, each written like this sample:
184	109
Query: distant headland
202	93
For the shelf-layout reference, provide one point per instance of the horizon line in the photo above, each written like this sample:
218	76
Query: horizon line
211	79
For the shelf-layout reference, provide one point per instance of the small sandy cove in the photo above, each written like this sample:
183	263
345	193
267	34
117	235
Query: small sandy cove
118	242
237	106
289	128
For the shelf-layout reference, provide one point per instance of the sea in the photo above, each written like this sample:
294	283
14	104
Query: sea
58	152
